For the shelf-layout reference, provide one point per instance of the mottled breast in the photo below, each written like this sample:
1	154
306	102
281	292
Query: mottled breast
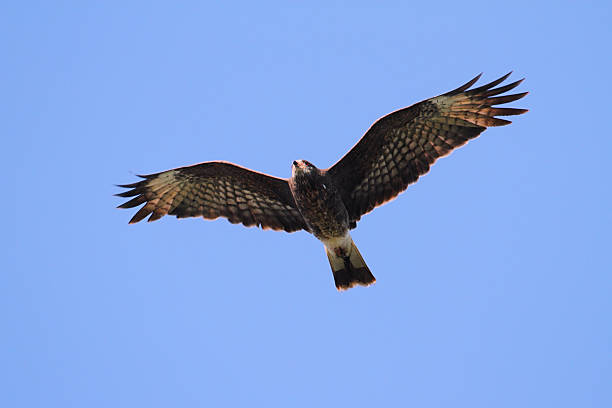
320	204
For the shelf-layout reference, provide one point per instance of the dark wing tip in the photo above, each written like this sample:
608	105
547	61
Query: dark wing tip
141	214
489	88
131	185
465	86
135	189
500	122
511	111
134	202
498	100
489	85
502	89
478	105
128	193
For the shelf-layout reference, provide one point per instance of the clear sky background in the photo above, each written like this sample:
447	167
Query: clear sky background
494	273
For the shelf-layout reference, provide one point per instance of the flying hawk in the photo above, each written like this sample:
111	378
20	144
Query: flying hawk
392	154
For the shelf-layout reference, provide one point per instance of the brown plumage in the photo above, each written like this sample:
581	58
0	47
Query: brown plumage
212	190
393	153
400	147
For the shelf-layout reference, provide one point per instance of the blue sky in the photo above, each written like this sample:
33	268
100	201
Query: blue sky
493	270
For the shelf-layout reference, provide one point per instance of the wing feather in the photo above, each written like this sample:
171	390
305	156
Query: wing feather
402	146
212	190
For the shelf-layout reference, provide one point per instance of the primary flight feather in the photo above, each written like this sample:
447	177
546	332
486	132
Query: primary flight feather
393	153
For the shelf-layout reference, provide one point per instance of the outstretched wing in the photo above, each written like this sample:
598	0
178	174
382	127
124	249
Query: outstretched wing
216	189
401	146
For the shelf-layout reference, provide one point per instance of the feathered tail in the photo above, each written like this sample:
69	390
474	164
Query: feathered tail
350	270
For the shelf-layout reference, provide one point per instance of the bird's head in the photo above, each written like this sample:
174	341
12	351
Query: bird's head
301	167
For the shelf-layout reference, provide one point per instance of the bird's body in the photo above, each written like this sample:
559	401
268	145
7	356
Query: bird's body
320	203
393	153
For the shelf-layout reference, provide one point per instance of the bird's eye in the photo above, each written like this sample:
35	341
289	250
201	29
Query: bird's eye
295	163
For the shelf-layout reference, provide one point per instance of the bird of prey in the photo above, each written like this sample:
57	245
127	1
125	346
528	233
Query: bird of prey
393	153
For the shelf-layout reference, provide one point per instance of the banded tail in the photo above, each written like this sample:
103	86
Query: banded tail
349	270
